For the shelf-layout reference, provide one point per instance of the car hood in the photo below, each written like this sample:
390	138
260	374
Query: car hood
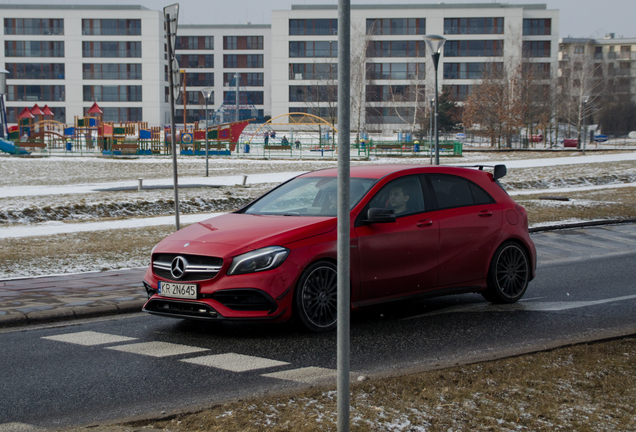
234	233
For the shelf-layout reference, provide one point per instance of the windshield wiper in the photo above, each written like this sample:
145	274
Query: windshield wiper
291	214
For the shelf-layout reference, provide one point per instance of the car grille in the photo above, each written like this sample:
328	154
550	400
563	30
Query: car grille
181	309
197	267
245	300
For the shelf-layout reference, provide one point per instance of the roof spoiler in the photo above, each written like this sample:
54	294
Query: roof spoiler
499	170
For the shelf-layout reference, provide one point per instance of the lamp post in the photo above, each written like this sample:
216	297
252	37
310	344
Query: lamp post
206	92
430	133
435	44
585	100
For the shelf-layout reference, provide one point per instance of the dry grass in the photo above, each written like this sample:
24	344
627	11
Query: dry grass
583	388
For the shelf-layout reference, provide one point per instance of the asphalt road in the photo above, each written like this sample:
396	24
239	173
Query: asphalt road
139	365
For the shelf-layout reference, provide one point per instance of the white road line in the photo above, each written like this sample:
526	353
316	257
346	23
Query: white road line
235	362
157	349
19	427
89	338
523	306
304	375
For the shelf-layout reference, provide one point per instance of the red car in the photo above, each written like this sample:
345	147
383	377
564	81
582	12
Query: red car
415	231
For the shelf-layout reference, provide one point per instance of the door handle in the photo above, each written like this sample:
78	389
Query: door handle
424	223
485	213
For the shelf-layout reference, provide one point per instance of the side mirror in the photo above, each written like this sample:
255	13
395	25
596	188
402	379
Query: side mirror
500	171
380	215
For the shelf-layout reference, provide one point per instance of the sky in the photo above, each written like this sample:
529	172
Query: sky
578	18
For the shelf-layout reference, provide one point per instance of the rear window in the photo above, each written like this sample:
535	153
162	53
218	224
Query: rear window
452	191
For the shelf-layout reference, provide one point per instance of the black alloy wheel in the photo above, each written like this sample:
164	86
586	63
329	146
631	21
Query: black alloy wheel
316	297
509	274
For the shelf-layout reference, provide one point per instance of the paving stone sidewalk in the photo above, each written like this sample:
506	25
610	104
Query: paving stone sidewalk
67	297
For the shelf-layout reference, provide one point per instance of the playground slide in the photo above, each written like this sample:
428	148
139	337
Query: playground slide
8	147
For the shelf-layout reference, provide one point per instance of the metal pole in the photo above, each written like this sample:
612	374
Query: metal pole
172	129
584	131
435	63
185	97
430	133
344	222
206	136
237	78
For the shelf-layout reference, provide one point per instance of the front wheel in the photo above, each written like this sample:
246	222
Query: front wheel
508	275
316	297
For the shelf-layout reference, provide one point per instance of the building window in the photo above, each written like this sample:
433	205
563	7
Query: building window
316	27
389	115
537	27
474	25
251	61
59	113
249	79
195	61
33	49
242	42
322	112
536	49
396	71
111	27
35	93
112	93
395	93
458	92
120	114
474	48
317	93
111	71
33	26
195	42
536	70
313	71
396	26
245	97
35	70
579	49
111	49
396	49
199	79
473	70
314	49
194	97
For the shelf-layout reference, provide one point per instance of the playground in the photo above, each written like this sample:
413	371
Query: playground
287	136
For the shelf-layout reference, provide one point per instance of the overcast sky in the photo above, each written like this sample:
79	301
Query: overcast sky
578	18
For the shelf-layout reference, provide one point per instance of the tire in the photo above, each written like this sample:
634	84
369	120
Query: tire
316	297
508	275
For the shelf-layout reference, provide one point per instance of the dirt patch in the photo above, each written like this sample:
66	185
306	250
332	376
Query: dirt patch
584	388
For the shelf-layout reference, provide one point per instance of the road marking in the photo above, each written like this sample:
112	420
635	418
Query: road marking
89	338
304	375
19	427
157	349
235	362
523	306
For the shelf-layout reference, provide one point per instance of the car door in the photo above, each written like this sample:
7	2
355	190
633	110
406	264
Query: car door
469	225
400	257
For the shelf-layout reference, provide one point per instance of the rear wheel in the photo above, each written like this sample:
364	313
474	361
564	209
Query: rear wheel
316	297
508	275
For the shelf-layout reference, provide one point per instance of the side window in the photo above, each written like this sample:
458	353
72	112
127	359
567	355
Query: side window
452	191
403	195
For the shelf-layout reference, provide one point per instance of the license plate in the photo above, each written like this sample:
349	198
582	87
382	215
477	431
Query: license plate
169	289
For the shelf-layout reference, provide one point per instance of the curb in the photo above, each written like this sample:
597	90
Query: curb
580	225
18	319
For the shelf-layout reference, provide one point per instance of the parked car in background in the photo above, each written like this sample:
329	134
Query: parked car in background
415	231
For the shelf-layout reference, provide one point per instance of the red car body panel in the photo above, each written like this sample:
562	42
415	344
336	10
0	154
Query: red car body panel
419	253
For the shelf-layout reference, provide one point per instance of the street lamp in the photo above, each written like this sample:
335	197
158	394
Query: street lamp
585	101
430	133
206	92
435	44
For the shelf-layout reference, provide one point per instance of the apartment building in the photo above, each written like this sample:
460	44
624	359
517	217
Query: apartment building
70	56
398	75
599	67
221	57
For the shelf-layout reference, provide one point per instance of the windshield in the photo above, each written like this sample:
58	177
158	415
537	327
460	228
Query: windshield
308	196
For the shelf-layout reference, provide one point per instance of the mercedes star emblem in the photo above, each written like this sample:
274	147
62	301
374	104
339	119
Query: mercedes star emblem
178	267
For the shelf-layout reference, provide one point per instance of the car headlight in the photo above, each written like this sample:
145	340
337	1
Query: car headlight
258	260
